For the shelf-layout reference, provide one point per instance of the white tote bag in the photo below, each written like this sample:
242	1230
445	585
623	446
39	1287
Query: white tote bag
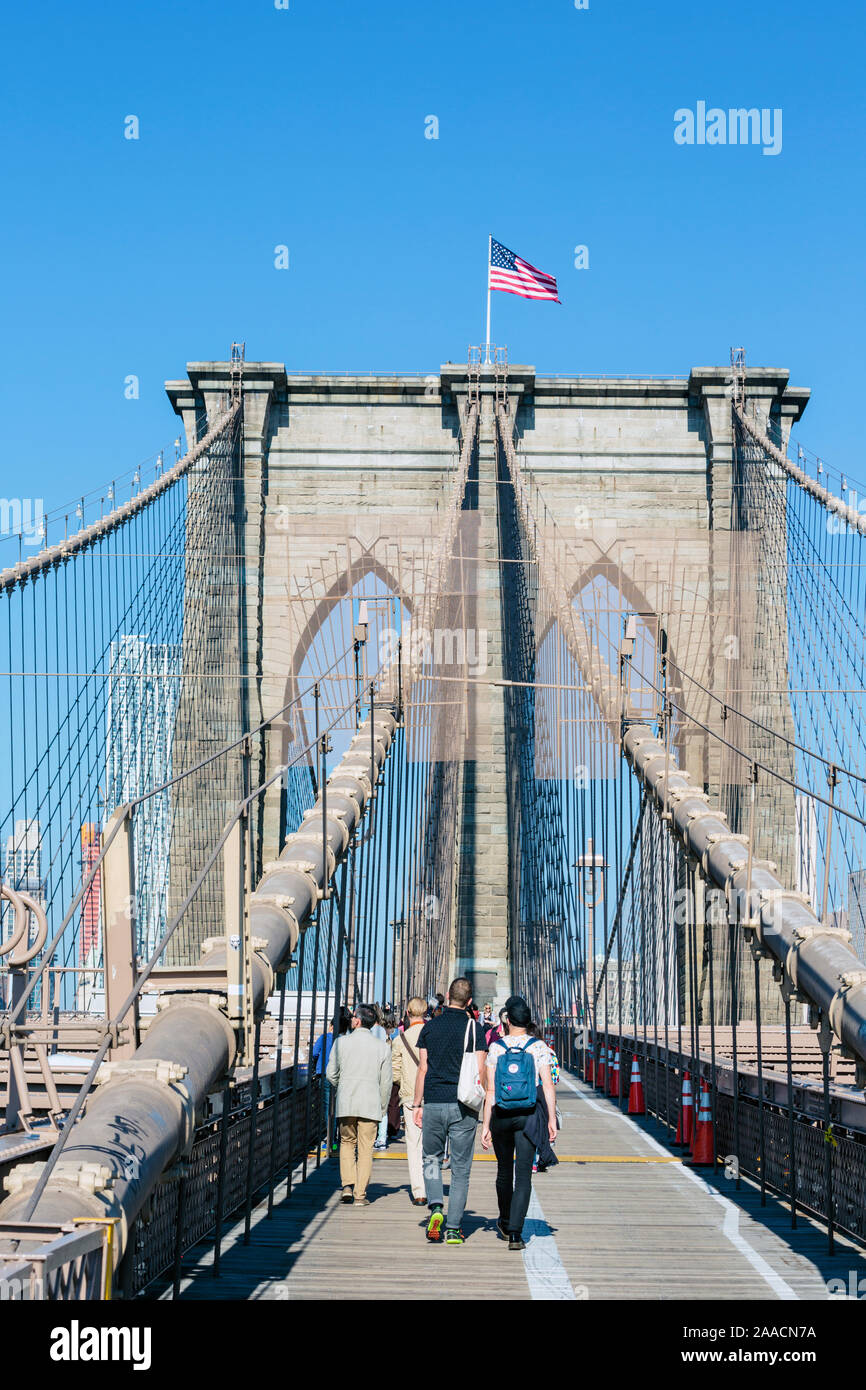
470	1091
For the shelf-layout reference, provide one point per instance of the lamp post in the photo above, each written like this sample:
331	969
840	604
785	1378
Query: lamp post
398	923
591	892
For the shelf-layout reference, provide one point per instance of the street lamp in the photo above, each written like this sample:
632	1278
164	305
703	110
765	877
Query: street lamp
591	892
591	864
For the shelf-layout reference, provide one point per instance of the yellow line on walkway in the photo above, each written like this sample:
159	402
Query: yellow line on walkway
614	1158
565	1158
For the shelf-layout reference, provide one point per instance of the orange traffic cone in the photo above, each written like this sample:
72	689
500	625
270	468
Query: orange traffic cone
685	1123
702	1149
602	1069
589	1060
635	1091
614	1079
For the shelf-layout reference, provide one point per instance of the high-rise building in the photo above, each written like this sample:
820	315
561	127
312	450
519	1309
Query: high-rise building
143	691
22	870
806	847
857	910
89	994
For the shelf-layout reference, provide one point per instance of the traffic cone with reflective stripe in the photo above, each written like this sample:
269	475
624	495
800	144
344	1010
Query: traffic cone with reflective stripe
614	1079
703	1147
589	1060
635	1091
685	1123
602	1069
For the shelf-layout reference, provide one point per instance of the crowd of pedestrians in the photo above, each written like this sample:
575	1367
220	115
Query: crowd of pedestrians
438	1072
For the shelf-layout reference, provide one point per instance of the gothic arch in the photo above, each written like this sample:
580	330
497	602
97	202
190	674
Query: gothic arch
332	601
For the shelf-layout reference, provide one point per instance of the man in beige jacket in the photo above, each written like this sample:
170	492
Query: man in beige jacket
404	1056
360	1068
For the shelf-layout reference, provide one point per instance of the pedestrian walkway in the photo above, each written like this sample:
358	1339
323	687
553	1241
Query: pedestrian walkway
621	1217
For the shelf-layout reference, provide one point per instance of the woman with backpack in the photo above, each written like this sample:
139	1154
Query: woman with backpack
517	1066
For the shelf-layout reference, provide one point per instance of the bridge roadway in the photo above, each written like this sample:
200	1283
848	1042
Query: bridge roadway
621	1217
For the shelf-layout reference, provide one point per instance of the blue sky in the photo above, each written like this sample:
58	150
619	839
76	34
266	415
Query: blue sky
305	127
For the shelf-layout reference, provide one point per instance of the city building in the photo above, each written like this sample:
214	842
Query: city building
143	692
89	992
857	910
22	870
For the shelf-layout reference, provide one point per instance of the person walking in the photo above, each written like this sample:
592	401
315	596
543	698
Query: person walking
518	1068
499	1031
405	1062
442	1116
394	1116
321	1053
359	1067
379	1031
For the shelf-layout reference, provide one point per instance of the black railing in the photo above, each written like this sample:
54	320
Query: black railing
221	1177
761	1130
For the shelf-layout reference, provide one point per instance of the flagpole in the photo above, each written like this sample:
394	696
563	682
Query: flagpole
489	254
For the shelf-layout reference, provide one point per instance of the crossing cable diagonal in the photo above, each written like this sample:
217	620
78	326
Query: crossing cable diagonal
815	958
164	1085
617	916
408	682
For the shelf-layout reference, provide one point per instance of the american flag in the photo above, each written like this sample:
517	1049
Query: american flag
511	273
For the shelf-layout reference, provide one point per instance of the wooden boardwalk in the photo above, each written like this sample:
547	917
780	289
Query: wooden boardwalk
619	1218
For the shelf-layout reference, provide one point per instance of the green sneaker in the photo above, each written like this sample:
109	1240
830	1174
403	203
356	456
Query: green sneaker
434	1225
454	1237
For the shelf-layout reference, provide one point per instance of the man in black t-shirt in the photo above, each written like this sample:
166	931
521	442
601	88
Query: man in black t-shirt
442	1044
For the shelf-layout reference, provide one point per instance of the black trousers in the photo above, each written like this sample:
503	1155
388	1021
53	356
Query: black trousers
514	1157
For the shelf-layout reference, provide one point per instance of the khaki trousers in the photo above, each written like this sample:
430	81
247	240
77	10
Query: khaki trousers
413	1152
356	1134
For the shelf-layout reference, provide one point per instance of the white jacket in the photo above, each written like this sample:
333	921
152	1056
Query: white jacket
360	1068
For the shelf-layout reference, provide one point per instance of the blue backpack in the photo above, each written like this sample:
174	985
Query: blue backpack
514	1085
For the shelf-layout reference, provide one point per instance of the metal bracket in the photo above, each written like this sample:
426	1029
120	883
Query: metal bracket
801	936
851	979
770	896
714	838
787	986
90	1177
159	1073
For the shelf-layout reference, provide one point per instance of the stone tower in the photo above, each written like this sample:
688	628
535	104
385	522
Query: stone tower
638	472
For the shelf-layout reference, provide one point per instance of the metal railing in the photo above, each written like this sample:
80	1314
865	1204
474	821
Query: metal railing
72	1262
240	1153
786	1134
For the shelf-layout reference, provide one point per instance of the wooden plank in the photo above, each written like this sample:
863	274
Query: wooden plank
626	1222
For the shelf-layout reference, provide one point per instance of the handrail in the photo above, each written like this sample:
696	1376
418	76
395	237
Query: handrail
88	535
821	494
